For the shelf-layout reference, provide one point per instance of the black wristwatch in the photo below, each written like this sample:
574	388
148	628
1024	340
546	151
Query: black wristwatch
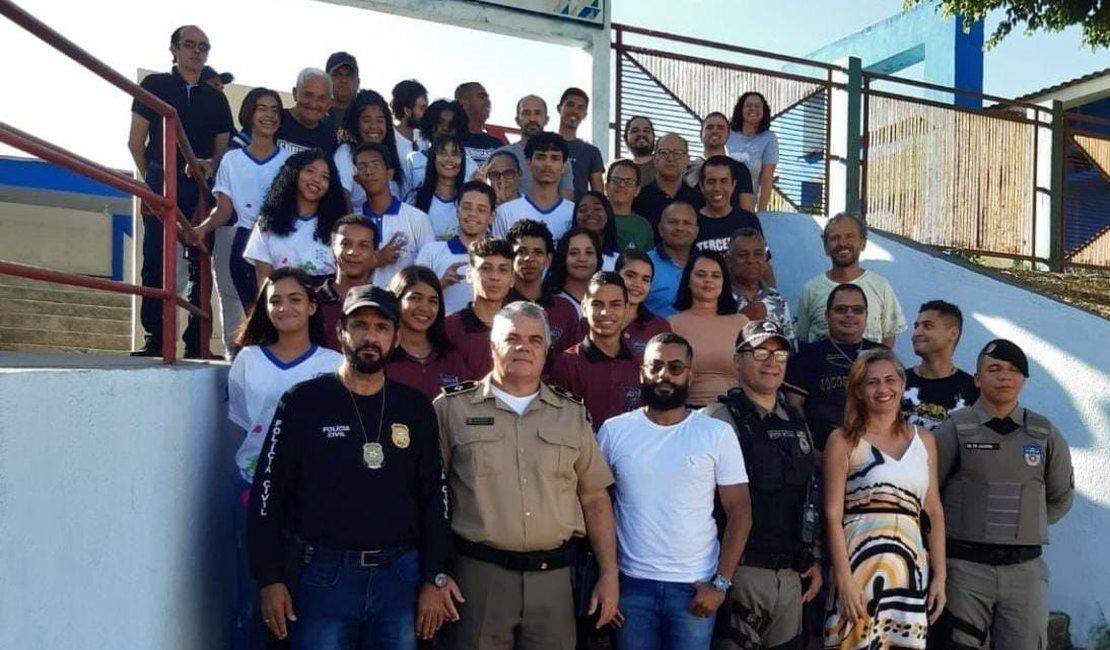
440	580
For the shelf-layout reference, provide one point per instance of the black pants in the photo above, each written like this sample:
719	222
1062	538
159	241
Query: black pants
150	309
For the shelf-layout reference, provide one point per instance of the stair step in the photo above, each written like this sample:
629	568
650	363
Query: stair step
44	307
62	340
63	324
56	349
60	293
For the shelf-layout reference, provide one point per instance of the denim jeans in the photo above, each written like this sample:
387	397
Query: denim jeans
657	617
342	606
248	632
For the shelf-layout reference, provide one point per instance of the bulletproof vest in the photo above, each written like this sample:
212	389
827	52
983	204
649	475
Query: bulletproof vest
996	494
779	458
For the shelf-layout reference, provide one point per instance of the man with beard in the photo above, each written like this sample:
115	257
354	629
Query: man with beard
639	137
410	100
533	247
670	462
532	118
816	378
936	386
527	480
670	158
602	368
765	606
845	237
351	467
352	244
474	100
546	154
585	158
714	133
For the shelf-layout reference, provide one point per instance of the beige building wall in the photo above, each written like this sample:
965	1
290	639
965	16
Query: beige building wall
73	241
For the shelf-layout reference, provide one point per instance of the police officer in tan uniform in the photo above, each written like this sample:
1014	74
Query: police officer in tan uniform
1005	474
526	477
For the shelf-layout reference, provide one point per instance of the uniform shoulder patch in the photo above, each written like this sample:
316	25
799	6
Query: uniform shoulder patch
562	392
461	387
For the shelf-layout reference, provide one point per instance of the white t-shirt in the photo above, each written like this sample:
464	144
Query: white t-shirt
517	404
884	313
444	215
439	256
245	181
346	168
299	249
413	225
255	383
666	478
558	217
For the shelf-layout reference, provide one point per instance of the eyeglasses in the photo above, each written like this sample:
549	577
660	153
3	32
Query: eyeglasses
622	182
844	309
670	154
201	46
495	177
762	354
674	367
372	166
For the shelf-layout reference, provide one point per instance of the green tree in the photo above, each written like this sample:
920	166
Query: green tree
1036	15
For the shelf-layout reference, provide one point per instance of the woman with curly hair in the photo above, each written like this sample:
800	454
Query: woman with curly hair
367	120
295	222
751	141
438	196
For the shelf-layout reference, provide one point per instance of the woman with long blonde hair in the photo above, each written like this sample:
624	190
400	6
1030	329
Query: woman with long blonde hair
880	478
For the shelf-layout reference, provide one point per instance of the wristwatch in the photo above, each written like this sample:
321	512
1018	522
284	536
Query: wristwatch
720	583
440	580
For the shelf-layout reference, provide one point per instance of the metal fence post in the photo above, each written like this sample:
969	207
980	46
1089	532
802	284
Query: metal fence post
1056	190
855	139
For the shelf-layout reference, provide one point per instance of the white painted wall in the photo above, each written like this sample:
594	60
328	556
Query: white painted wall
1069	362
115	508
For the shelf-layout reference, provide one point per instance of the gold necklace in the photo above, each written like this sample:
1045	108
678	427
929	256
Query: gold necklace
373	456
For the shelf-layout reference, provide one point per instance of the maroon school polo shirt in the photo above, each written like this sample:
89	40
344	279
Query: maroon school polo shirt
609	385
562	318
640	331
429	375
470	336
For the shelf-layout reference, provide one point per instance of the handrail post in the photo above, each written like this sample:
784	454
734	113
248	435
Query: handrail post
618	59
1056	191
169	242
854	140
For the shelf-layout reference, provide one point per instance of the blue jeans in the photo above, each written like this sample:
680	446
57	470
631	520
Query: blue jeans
342	606
248	632
657	617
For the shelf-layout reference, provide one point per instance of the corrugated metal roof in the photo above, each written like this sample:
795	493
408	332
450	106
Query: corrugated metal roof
1039	94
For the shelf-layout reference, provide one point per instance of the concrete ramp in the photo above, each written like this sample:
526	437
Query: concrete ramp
1069	356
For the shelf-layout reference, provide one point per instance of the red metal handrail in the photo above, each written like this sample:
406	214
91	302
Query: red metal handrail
164	206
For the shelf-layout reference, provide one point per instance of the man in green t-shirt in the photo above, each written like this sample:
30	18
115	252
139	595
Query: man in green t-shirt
621	186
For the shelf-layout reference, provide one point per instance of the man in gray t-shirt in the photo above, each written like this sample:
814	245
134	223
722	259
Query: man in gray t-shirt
585	158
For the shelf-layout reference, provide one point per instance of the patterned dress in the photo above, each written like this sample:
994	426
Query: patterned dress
882	506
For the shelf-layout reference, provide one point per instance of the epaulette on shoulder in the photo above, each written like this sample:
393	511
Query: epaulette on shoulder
562	392
459	388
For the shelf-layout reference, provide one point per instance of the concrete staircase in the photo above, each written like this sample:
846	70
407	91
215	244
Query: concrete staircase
43	317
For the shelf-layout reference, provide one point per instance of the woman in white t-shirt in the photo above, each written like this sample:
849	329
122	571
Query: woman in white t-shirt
751	142
367	120
281	345
594	212
295	222
438	196
242	180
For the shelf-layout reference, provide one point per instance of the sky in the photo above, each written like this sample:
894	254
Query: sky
266	42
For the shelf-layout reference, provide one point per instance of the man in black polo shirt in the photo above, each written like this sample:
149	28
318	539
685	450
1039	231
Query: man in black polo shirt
671	157
352	467
206	117
307	125
479	144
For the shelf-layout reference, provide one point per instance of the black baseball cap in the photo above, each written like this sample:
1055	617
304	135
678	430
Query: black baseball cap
757	331
1006	350
208	72
368	295
340	59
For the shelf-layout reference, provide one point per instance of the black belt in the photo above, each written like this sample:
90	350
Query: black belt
770	560
992	554
556	558
363	559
